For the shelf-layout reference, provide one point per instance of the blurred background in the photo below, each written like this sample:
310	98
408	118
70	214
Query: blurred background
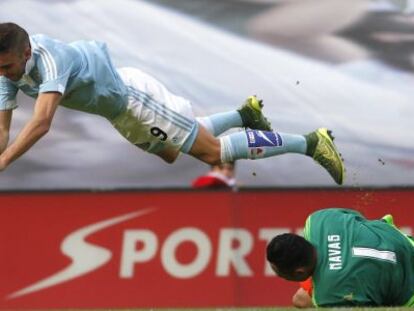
346	65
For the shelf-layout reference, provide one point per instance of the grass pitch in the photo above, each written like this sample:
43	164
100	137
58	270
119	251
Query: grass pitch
237	309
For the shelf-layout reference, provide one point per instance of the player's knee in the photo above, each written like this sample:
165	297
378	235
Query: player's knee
212	160
209	154
213	157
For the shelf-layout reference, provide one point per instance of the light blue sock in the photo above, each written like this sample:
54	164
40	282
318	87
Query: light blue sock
254	144
218	123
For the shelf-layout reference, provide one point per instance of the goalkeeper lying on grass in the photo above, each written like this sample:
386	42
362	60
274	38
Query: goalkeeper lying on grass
352	261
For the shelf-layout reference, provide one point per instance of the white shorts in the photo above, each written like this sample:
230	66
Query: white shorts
155	118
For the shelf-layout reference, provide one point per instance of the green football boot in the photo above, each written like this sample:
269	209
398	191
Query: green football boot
321	148
390	220
252	115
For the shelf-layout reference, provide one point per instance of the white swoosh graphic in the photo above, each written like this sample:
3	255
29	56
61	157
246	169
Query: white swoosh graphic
86	257
260	133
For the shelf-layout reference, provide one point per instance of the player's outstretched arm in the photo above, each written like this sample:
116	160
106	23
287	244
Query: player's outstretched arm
38	125
5	120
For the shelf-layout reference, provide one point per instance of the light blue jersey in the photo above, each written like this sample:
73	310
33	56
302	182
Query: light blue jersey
81	71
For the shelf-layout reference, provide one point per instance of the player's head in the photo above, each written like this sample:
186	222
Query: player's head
291	257
14	50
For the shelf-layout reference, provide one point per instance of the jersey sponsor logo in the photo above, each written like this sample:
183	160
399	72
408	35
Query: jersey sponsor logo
263	139
334	252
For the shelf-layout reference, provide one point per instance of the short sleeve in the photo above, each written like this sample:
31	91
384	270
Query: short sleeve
55	68
8	92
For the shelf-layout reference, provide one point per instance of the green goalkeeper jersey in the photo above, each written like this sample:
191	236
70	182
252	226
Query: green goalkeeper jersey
359	261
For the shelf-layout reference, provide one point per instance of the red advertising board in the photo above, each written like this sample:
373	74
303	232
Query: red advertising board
160	249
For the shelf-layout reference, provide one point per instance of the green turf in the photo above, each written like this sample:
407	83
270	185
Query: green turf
234	309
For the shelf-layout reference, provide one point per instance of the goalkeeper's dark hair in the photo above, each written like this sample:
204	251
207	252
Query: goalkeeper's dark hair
290	251
12	38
